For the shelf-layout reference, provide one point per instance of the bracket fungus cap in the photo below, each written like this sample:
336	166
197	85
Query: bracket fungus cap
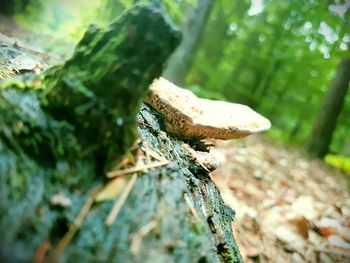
190	117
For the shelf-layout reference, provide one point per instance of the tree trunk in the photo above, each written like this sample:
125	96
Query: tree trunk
331	107
181	61
298	124
10	7
53	133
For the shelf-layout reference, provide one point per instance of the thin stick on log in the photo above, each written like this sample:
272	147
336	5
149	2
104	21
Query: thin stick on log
136	240
64	242
193	210
40	253
159	153
147	151
120	201
136	169
172	146
148	160
153	154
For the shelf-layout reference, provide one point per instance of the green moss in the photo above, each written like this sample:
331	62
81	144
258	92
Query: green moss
102	98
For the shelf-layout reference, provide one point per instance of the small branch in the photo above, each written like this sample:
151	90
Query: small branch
64	242
193	210
120	201
136	169
40	253
152	153
136	240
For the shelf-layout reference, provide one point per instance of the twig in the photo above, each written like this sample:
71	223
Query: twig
136	240
159	153
136	169
111	189
148	157
164	136
40	253
63	243
120	201
172	146
153	154
193	210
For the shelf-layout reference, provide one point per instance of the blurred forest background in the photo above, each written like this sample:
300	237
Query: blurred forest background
289	60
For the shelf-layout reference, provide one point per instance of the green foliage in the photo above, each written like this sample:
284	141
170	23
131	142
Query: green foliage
206	93
110	9
64	21
177	9
339	161
280	61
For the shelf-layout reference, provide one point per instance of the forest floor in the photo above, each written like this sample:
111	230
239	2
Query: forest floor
289	208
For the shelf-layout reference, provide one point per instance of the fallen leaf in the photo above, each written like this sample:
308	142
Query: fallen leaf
333	226
326	231
301	225
297	258
337	241
111	190
305	206
292	239
325	259
252	252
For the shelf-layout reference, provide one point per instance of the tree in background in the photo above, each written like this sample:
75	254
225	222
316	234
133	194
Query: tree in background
277	58
10	7
181	61
330	109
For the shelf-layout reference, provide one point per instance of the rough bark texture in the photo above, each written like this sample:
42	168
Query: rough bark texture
181	61
52	136
330	109
16	58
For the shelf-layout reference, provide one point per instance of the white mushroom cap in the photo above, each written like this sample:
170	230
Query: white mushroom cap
194	118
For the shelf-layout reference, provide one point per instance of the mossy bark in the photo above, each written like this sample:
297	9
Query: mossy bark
100	88
59	131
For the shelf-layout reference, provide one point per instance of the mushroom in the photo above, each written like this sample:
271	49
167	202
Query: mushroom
193	118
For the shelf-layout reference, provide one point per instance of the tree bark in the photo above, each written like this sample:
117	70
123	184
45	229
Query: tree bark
181	61
331	107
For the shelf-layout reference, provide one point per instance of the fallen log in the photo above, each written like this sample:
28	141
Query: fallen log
63	130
